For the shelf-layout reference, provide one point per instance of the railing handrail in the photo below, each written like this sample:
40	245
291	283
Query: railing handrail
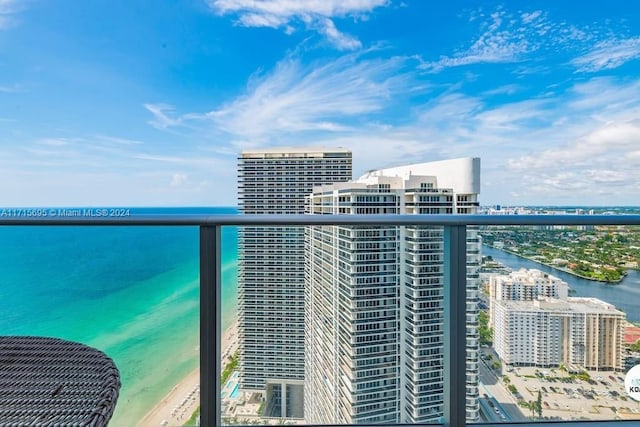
339	219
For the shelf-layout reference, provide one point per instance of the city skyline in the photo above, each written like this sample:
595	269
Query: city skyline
113	104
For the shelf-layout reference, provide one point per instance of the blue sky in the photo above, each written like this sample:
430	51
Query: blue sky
149	103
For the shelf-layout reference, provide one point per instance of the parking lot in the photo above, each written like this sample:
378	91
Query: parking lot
601	396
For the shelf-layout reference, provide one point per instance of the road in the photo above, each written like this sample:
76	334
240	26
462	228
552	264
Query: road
488	407
497	393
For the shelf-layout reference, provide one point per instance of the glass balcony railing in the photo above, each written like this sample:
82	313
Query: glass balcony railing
435	369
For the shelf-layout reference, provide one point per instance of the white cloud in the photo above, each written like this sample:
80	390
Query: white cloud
54	142
329	96
607	176
110	170
161	116
503	39
68	187
8	8
508	89
178	180
598	161
608	54
550	148
316	15
450	108
604	94
507	38
11	88
339	40
111	140
531	16
195	161
569	146
515	115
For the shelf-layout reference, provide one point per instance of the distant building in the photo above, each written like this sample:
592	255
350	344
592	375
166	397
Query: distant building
506	210
271	269
631	333
581	332
374	298
524	285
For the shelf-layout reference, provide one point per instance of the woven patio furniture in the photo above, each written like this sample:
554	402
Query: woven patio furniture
53	382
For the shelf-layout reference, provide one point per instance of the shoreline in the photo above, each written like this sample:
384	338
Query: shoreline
177	406
558	268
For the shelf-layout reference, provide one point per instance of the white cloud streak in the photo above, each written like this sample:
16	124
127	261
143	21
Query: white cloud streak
108	170
331	97
608	54
10	89
8	8
340	40
507	38
503	39
161	119
316	15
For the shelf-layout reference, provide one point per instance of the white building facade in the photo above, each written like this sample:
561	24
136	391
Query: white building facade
271	269
524	285
580	333
374	297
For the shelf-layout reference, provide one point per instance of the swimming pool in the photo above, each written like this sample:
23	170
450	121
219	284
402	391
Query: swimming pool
236	391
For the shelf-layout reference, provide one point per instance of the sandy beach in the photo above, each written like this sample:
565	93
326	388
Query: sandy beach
179	404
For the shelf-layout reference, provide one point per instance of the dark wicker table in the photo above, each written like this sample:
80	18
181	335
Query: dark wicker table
53	382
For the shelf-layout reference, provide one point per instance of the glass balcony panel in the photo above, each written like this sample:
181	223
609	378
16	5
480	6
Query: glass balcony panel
160	297
555	301
342	325
130	292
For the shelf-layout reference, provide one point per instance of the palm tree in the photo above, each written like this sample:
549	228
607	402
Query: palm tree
539	404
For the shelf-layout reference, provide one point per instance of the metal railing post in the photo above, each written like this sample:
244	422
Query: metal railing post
210	324
455	328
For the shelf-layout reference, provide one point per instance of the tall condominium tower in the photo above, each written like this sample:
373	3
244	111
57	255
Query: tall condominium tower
374	297
271	269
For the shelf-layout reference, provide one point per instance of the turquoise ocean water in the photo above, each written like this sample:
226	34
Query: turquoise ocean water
132	292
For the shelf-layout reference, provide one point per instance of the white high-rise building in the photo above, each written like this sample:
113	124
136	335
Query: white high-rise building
535	323
271	269
524	285
583	333
374	297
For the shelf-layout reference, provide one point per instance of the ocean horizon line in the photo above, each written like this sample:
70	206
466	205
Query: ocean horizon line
236	207
131	207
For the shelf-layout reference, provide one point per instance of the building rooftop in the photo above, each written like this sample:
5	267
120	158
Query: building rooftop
528	276
572	305
294	150
462	174
631	333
